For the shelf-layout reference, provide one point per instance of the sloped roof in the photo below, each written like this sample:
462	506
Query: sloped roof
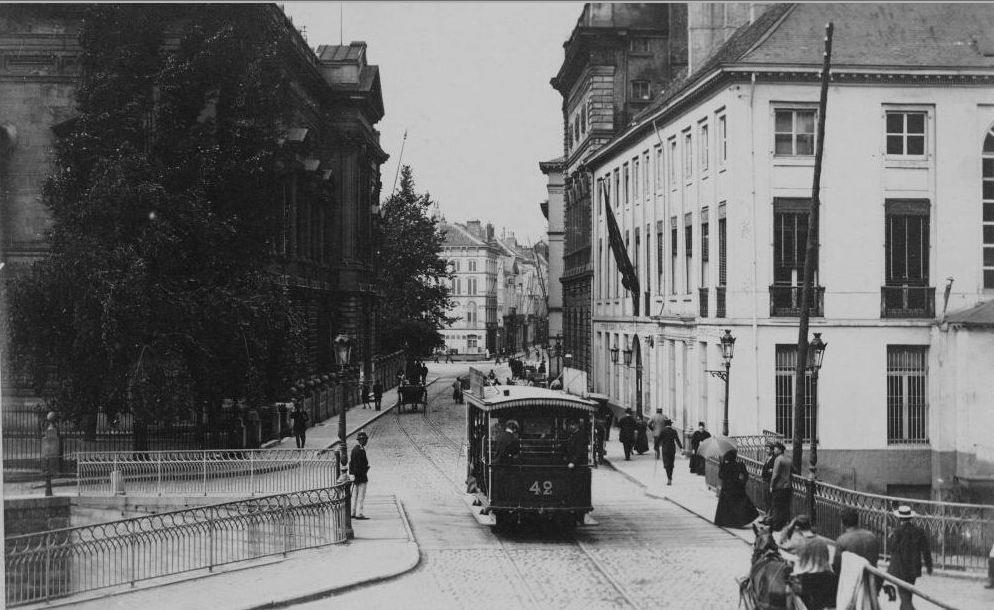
919	35
979	315
456	236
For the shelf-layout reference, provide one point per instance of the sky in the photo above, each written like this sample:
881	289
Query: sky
469	82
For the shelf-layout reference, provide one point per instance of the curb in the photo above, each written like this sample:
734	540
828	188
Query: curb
411	564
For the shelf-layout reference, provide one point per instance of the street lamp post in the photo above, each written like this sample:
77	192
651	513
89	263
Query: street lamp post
727	351
817	347
634	351
343	353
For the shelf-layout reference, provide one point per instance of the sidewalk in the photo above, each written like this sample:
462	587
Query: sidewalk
383	547
690	492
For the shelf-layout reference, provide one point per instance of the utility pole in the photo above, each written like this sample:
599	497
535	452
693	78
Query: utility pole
810	256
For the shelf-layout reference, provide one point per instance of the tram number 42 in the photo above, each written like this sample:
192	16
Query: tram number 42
541	488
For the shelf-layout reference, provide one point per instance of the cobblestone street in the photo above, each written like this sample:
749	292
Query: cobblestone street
642	553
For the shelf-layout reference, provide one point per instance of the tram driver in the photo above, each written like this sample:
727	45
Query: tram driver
508	445
576	445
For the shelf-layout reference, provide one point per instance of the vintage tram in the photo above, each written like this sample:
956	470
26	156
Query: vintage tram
549	477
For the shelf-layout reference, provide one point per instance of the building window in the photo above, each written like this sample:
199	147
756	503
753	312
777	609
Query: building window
458	286
600	195
617	189
906	133
790	240
471	285
794	132
471	313
906	242
645	174
638	44
640	89
704	254
471	341
907	394
658	174
672	163
673	254
722	141
703	148
786	367
638	249
576	128
988	211
635	179
600	263
627	182
688	156
660	253
722	253
472	265
688	246
583	120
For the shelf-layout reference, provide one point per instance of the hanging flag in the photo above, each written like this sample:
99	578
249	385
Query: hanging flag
629	279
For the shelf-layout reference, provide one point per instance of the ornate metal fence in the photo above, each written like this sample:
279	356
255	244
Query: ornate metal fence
69	561
207	473
960	535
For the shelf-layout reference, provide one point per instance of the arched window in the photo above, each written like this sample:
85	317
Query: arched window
988	210
471	313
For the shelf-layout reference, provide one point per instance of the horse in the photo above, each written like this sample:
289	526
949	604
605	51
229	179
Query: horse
768	585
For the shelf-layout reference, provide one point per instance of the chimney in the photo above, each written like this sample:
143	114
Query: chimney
475	228
711	24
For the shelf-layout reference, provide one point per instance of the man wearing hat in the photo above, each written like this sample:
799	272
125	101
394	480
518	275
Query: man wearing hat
358	468
668	441
508	445
626	432
909	548
780	489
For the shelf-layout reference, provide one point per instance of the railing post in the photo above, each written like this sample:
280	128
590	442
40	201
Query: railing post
48	566
286	525
810	484
210	539
252	473
203	455
158	473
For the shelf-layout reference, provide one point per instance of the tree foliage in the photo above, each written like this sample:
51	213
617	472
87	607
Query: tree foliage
156	296
413	274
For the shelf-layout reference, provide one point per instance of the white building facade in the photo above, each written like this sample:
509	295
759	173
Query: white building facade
711	188
473	259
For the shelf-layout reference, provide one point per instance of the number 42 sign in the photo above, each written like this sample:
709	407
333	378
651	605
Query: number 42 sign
541	488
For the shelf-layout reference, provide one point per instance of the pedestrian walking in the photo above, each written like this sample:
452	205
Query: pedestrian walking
767	475
668	442
626	433
300	419
780	489
436	356
735	509
856	540
698	437
377	395
365	395
424	373
448	357
656	424
457	391
359	469
641	438
909	549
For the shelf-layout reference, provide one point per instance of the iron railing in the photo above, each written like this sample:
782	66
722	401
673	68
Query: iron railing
702	302
785	301
960	535
70	561
907	302
205	473
719	302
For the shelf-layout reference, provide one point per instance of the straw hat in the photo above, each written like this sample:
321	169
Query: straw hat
904	512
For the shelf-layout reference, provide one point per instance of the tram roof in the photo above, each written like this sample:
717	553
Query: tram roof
513	396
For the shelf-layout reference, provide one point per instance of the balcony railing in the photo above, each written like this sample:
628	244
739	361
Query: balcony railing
785	301
703	301
907	302
719	302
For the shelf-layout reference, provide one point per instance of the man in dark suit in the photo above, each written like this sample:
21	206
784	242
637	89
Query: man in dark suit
576	446
359	469
909	548
856	540
508	446
626	432
668	442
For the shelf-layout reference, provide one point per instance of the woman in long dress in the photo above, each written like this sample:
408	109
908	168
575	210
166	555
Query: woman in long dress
735	509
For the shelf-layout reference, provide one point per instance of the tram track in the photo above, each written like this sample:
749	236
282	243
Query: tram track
436	428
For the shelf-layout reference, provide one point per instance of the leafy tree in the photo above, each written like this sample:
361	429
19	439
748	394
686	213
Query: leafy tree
412	273
156	296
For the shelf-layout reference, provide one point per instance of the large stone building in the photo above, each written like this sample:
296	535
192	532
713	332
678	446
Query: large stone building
474	259
718	215
323	250
552	209
617	58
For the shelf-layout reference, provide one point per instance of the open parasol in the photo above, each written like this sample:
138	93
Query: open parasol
716	447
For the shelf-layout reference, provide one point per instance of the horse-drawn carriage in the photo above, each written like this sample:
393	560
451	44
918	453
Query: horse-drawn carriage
412	395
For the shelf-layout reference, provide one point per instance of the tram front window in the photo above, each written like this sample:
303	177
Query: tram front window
539	428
